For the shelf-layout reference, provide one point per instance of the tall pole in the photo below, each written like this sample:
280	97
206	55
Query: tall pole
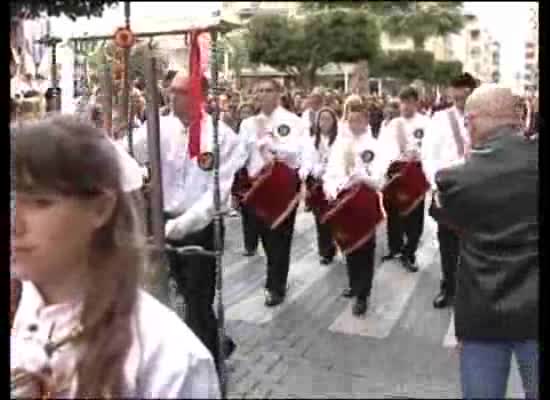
218	239
125	106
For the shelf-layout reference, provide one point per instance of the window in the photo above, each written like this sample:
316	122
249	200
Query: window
529	55
475	34
475	52
477	68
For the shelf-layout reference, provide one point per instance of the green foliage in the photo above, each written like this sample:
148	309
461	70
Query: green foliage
405	64
445	71
425	20
301	46
418	20
70	8
138	59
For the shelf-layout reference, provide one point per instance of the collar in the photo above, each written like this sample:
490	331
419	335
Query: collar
32	305
495	136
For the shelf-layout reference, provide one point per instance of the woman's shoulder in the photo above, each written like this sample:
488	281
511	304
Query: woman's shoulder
173	361
163	327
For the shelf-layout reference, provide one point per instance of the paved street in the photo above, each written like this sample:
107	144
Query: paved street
312	347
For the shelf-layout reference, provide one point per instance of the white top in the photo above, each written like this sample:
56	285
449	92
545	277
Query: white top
132	173
440	149
166	359
314	161
188	189
415	130
309	116
282	133
369	164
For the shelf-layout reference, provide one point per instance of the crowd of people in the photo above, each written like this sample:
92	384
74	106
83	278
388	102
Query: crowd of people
345	153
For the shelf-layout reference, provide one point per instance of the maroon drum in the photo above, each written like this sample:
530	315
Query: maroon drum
315	196
407	187
274	193
354	216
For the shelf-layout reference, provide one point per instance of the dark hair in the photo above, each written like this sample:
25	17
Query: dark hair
170	75
67	155
409	93
316	128
464	80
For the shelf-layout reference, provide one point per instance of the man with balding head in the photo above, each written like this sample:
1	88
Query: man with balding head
188	191
492	201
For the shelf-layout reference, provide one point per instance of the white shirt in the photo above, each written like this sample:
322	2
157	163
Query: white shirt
368	164
166	359
307	116
314	160
282	132
415	130
440	149
189	190
132	173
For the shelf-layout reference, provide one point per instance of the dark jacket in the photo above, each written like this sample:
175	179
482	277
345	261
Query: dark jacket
493	199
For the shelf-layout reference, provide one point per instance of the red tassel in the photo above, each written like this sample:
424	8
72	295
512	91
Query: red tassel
196	96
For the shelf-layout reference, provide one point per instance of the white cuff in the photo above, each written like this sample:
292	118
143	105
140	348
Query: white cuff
178	228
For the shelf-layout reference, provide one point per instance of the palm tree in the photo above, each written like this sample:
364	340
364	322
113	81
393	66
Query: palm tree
410	19
425	20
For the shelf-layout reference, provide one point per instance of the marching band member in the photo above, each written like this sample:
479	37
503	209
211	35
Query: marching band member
251	235
447	143
402	141
274	134
315	101
357	159
189	203
81	326
314	162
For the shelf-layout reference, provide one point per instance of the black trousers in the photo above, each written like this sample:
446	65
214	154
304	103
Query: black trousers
325	243
196	279
250	229
360	266
277	244
410	226
449	247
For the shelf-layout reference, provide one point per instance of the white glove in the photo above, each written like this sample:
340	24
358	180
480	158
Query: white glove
303	174
318	171
178	228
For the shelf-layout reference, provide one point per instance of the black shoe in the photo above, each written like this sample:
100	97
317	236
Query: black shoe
273	299
443	300
326	261
360	307
347	293
229	347
389	256
249	253
409	263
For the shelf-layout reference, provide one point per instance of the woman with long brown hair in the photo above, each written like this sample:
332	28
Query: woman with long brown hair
315	157
82	328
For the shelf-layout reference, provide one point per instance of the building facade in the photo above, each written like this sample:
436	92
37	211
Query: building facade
531	73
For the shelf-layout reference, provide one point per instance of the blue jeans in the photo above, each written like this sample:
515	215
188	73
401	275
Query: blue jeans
485	368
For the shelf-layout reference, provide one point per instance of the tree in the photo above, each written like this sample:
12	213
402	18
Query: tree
444	71
405	64
238	54
410	19
137	61
427	19
301	46
70	8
